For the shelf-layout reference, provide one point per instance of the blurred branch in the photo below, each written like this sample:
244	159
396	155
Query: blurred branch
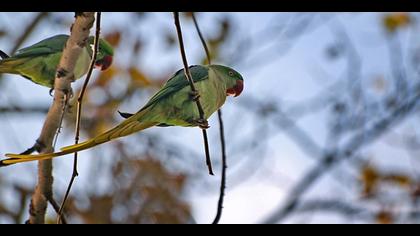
29	110
316	103
28	31
57	208
221	131
62	91
332	158
347	209
288	125
79	110
333	206
397	65
284	37
191	81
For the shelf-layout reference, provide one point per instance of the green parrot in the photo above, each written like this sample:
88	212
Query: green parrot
173	105
39	62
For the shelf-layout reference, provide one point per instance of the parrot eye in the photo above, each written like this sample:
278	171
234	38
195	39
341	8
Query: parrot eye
230	73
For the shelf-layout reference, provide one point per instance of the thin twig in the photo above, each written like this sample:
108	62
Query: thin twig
56	207
203	41
79	110
224	168
221	131
189	77
29	110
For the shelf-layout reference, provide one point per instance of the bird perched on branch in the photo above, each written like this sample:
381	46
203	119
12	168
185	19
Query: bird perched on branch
39	62
173	105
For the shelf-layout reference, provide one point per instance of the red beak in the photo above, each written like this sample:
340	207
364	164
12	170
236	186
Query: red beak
237	89
104	63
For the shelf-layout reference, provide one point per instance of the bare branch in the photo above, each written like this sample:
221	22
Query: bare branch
62	90
331	159
224	167
288	125
25	110
28	30
221	131
79	110
56	207
189	77
335	206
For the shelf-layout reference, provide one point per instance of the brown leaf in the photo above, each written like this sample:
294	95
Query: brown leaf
107	76
384	217
401	180
114	38
99	211
370	178
138	77
394	21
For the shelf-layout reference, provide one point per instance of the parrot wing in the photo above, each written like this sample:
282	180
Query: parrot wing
45	47
50	45
178	82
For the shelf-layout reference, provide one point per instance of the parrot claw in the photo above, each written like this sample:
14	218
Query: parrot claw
70	93
194	95
67	92
202	123
70	108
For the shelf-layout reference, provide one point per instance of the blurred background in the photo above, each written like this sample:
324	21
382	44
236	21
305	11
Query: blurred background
326	131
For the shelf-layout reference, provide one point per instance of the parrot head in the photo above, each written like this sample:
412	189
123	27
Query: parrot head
105	53
234	81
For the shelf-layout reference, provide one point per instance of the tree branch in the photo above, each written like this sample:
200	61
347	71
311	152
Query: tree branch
221	131
62	91
79	110
331	159
26	110
28	30
189	77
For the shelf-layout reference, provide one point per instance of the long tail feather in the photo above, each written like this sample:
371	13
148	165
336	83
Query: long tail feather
129	126
8	65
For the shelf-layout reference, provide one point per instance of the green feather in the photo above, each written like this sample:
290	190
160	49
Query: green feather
39	61
172	105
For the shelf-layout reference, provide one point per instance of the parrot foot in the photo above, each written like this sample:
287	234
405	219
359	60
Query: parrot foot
69	93
65	91
69	108
202	123
194	95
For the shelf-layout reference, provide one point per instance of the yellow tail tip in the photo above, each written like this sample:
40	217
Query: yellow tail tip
10	155
5	162
13	159
17	158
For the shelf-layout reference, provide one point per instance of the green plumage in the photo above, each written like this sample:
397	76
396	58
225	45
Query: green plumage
39	62
172	105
